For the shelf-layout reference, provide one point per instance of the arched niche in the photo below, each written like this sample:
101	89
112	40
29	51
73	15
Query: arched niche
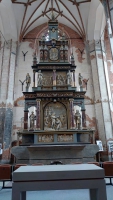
31	109
55	117
76	107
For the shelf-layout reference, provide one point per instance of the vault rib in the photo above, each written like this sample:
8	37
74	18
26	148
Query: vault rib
22	33
24	16
72	16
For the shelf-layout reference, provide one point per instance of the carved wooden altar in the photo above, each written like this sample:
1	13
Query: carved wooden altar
54	95
53	132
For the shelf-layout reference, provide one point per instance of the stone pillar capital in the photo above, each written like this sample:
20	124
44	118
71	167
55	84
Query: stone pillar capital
71	100
38	100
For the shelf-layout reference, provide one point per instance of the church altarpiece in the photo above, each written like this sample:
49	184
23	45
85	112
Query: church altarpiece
55	120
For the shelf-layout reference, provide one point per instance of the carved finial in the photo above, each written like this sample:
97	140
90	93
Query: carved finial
52	16
72	58
34	59
63	36
43	37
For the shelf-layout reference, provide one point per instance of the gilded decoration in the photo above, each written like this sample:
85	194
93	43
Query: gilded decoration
45	138
55	117
55	67
59	94
55	94
65	138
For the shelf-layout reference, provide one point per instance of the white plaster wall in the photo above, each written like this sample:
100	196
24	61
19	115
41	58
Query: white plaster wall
22	68
11	73
5	70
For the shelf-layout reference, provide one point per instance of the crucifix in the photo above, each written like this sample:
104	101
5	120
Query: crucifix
24	54
81	51
85	82
22	83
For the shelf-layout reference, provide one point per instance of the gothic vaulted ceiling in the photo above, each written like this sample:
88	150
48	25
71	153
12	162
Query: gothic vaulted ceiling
18	17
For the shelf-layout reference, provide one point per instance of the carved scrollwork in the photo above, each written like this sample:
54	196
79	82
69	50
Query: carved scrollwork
51	67
30	96
59	94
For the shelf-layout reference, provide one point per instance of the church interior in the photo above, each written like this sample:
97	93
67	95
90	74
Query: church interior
56	84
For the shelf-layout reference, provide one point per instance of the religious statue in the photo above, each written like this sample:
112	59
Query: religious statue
28	80
78	119
59	79
45	55
39	78
58	123
80	78
53	119
32	120
69	78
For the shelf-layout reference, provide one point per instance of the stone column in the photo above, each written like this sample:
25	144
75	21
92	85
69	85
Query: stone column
108	7
6	94
71	114
38	114
2	104
26	119
101	97
54	77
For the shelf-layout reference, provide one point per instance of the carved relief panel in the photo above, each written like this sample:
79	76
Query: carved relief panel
46	138
61	78
47	79
65	138
55	117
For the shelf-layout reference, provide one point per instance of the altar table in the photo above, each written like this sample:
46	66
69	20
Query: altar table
59	177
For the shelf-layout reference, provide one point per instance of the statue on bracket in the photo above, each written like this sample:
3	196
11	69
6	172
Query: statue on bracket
28	80
80	78
78	119
39	78
69	78
32	120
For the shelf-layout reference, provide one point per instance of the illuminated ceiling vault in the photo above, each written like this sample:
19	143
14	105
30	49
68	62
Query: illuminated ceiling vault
18	17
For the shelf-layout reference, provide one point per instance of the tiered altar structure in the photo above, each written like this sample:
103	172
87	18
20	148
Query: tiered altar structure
60	129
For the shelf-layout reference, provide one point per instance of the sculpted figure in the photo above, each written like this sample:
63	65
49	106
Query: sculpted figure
78	119
39	78
58	123
69	78
80	78
32	120
53	119
28	80
58	79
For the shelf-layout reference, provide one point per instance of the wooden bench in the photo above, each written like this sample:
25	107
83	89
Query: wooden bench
5	174
108	168
59	177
